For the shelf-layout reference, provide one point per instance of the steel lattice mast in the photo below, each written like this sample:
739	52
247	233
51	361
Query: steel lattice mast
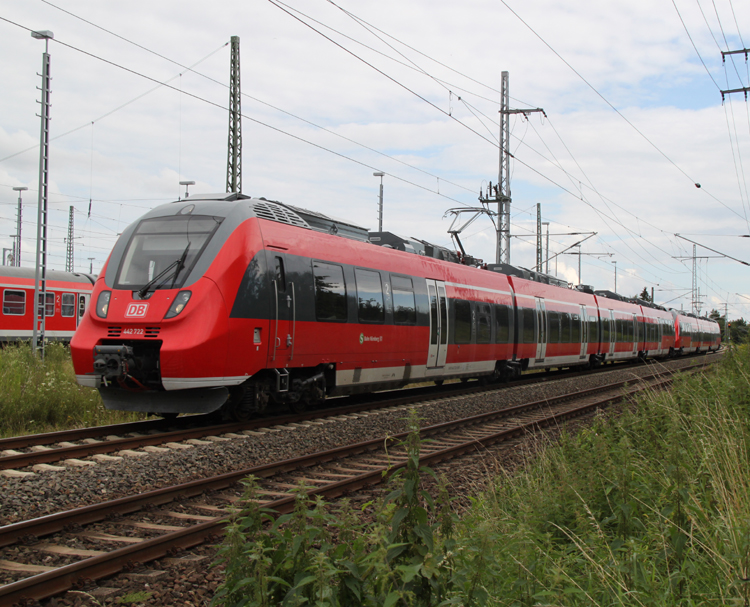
69	251
500	193
234	158
40	286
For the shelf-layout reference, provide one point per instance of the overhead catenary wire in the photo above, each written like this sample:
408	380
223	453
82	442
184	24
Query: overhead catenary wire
618	112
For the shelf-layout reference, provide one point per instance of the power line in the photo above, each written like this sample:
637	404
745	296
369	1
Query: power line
255	120
619	113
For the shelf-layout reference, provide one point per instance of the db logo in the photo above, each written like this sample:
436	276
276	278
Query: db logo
136	310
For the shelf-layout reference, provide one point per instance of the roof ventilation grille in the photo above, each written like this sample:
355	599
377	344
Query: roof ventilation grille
276	212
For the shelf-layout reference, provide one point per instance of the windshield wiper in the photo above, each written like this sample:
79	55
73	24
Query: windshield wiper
179	264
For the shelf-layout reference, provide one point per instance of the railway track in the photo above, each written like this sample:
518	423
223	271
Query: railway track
25	455
54	553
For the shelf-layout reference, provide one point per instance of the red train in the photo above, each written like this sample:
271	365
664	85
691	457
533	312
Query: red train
238	302
66	301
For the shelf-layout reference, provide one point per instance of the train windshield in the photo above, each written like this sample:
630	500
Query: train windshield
166	246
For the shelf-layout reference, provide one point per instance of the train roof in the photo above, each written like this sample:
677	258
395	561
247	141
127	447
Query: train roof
274	210
56	275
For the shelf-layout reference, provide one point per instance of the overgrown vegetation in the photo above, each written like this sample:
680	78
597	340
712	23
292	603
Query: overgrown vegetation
651	507
329	558
42	396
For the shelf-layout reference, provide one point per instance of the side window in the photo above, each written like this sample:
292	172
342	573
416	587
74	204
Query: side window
81	305
404	308
565	327
605	330
68	307
483	324
369	296
330	292
14	302
529	316
49	308
462	310
593	330
502	324
575	331
553	334
278	274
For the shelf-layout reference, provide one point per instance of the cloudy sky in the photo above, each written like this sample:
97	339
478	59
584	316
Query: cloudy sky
333	92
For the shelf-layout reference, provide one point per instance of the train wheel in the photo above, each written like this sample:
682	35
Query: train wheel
169	416
438	382
297	407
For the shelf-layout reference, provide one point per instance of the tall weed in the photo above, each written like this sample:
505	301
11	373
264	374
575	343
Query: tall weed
326	557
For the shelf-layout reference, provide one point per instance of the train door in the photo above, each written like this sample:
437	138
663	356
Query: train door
635	334
83	304
438	346
284	312
541	330
612	333
584	333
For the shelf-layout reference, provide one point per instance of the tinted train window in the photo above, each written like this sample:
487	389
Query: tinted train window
369	296
279	275
462	310
14	302
605	330
553	333
593	330
565	328
503	323
483	324
68	307
404	308
330	292
527	316
575	332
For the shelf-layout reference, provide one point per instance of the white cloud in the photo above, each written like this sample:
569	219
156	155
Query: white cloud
636	54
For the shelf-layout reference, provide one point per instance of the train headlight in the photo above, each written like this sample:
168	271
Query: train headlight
102	304
179	303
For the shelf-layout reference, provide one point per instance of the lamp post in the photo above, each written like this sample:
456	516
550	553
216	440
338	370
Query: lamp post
614	262
380	203
40	286
187	184
17	253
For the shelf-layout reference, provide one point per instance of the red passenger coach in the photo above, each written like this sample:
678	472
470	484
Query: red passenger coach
66	301
237	302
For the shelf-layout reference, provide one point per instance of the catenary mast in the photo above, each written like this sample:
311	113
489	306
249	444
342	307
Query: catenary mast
234	158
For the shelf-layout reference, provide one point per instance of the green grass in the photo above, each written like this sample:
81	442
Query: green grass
43	396
650	508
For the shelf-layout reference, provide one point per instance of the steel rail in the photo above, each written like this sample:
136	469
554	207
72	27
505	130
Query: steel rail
56	454
61	579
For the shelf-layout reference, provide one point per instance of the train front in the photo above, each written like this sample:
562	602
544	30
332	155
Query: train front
155	338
